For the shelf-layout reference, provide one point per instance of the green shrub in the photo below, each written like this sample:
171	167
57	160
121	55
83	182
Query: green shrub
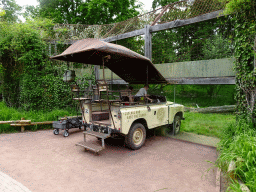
29	79
238	144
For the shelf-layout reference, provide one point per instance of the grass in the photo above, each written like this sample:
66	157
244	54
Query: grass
238	144
206	124
202	95
202	124
8	114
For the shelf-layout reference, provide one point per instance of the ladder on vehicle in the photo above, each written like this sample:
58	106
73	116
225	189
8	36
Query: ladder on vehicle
92	146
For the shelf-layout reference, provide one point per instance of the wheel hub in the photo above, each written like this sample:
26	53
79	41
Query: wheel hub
138	136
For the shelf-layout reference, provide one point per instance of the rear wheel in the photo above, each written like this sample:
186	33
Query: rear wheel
176	125
136	136
174	128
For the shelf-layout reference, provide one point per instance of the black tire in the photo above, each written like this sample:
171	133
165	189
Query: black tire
176	125
56	131
136	136
66	134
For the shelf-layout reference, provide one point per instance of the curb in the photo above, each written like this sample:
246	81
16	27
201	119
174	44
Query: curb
193	142
8	184
200	142
218	180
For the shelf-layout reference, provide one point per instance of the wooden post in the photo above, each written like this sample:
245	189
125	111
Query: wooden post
50	49
22	127
254	47
96	71
148	42
55	48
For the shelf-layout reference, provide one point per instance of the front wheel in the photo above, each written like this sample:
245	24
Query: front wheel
136	136
56	131
66	134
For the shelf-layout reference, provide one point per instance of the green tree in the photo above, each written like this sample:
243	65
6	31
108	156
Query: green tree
184	43
31	12
2	12
60	11
88	12
11	9
217	47
161	3
164	47
106	12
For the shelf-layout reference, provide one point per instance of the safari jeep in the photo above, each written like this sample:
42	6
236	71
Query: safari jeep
103	118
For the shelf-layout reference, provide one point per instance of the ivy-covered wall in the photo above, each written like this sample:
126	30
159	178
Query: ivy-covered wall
244	19
29	79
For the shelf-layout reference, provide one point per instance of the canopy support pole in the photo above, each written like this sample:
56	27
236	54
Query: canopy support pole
147	81
103	60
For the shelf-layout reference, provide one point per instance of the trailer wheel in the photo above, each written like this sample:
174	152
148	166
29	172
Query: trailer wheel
176	125
56	131
66	134
136	136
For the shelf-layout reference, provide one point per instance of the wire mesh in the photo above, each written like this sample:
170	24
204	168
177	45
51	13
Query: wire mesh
211	39
178	10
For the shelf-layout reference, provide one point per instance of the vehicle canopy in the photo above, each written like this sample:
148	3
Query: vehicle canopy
127	64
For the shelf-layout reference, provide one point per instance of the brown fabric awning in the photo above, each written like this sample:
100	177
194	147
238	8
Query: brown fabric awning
128	65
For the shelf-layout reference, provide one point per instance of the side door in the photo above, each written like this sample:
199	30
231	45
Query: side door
157	116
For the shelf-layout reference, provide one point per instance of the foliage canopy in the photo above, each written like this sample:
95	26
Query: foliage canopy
88	12
10	9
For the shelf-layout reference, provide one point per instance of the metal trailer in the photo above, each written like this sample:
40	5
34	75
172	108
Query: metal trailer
66	124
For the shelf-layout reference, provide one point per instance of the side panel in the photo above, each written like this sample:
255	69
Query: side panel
117	122
154	115
90	107
158	116
173	110
87	107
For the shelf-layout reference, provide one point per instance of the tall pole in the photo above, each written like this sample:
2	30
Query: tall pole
148	42
148	47
96	71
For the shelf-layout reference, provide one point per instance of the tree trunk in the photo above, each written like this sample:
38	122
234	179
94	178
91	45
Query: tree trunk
254	48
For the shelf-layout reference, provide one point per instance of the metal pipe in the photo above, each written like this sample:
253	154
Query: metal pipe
174	92
107	91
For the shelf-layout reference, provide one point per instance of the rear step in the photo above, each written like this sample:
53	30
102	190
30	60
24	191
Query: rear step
92	146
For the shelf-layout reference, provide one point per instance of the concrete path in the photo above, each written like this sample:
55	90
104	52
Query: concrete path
8	184
44	162
200	139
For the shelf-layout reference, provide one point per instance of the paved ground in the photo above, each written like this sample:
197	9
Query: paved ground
200	139
43	162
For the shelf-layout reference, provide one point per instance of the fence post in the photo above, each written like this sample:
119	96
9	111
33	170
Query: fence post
50	49
148	42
